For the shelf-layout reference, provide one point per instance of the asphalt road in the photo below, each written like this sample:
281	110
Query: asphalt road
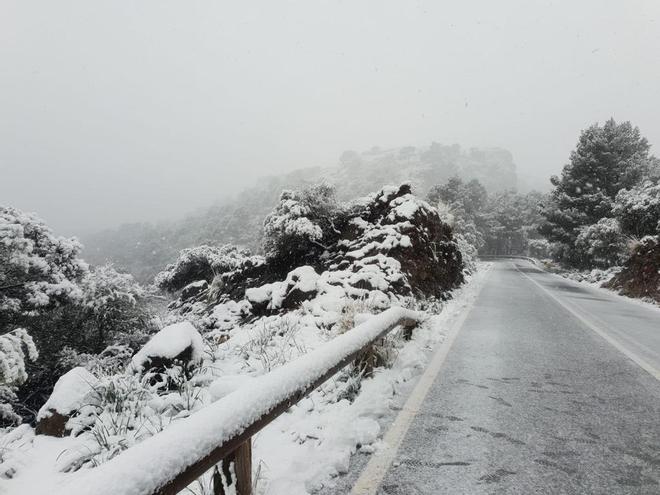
549	387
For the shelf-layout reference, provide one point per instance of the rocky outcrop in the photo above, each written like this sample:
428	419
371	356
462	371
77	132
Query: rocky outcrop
640	276
384	247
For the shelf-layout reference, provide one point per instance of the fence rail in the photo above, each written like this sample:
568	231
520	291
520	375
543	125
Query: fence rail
506	256
171	460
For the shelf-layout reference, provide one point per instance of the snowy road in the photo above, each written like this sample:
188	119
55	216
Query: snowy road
550	387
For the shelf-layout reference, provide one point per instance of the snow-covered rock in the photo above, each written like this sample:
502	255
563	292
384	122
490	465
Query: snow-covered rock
300	285
180	342
74	389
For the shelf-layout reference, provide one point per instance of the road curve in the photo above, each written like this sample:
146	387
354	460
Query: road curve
550	387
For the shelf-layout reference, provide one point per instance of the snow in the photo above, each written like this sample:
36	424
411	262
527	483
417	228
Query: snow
303	278
259	294
73	390
13	356
227	384
299	452
405	207
148	465
169	343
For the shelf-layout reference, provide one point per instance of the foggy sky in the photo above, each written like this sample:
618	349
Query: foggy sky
115	111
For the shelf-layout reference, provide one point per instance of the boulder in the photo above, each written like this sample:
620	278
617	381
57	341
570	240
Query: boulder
301	285
74	389
179	343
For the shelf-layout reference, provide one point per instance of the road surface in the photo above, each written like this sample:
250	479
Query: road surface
549	387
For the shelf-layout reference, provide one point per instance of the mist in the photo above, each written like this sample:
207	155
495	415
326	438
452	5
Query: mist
115	112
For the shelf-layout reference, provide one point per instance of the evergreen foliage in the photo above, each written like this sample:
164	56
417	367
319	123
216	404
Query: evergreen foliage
606	160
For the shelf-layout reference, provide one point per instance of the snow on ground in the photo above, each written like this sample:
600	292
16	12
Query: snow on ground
300	452
595	279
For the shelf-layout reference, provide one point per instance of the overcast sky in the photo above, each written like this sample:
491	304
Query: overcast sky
114	111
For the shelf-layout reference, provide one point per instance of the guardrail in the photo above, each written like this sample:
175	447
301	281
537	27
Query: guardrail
171	460
505	256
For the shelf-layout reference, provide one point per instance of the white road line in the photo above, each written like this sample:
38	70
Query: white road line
380	462
592	326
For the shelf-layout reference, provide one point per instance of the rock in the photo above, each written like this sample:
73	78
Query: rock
194	289
640	276
52	425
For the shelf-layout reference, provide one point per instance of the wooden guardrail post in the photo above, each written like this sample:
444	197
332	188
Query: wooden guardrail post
241	458
408	328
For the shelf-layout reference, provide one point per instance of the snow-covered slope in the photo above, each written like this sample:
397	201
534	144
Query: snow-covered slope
299	453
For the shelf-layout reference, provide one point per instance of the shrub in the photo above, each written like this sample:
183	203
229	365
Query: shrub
302	221
201	263
601	245
638	209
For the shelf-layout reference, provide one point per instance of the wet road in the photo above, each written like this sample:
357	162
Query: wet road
549	387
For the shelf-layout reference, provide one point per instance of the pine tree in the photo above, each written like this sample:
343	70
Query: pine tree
607	159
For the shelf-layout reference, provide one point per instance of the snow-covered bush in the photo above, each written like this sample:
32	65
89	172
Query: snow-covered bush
601	244
112	359
201	263
16	348
465	232
460	204
113	306
38	270
638	209
539	248
46	288
302	221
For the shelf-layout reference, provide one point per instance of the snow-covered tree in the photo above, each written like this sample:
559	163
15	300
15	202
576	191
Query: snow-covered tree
602	244
460	205
16	348
48	290
38	270
113	305
468	196
509	220
607	159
